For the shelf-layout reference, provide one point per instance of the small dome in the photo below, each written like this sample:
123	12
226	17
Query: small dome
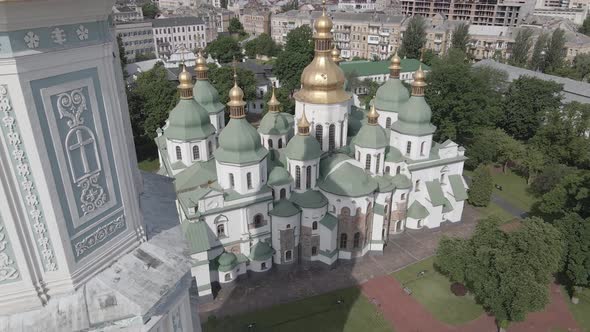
185	78
188	121
323	25
349	180
279	176
303	147
372	137
274	123
395	60
227	258
261	251
239	143
207	96
419	75
391	95
236	95
322	82
335	54
414	118
200	61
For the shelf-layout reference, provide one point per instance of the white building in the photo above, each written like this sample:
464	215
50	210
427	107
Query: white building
173	4
335	189
357	5
175	32
74	251
137	38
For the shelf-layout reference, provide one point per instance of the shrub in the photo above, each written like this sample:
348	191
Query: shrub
458	289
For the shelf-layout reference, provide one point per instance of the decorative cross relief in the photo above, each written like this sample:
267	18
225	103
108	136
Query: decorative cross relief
8	269
82	151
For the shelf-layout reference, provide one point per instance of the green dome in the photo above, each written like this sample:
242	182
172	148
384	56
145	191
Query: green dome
303	147
239	143
206	95
278	176
261	251
391	95
275	123
227	261
349	180
372	137
414	118
188	121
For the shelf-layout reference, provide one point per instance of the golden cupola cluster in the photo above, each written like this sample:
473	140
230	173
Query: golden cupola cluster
185	88
303	125
201	68
236	100
336	55
273	104
372	116
419	82
395	67
322	81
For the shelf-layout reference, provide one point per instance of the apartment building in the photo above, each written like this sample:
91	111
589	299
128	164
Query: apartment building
137	38
255	21
490	42
357	5
171	33
173	4
477	12
576	15
127	14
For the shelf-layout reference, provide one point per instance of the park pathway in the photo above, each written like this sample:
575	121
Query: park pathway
407	315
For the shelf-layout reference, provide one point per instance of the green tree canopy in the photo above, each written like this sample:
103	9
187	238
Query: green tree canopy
571	195
482	185
538	59
414	38
533	162
297	54
527	101
521	48
222	78
555	50
235	26
460	37
224	49
122	54
261	45
150	10
284	97
585	28
509	149
582	66
549	177
576	232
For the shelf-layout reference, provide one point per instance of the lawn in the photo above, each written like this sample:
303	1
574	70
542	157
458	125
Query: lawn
433	292
514	189
581	311
149	165
318	313
494	209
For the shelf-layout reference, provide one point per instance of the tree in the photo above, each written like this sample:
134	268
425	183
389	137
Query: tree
261	45
460	37
284	97
521	48
482	185
576	232
527	101
509	149
122	54
538	62
414	38
298	53
533	162
150	10
451	258
465	98
585	28
235	26
145	56
483	149
555	50
571	195
549	177
582	66
291	5
225	49
428	56
222	78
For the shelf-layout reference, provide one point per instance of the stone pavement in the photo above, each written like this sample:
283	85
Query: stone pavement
303	281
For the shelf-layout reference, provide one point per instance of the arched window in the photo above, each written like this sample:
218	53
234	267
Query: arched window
221	230
417	186
263	266
442	178
419	223
280	143
232	183
249	180
283	194
403	198
178	153
314	251
196	153
343	240
387	169
409	148
308	177
288	226
356	241
314	225
270	143
258	220
398	170
210	145
297	177
422	148
319	133
332	137
388	123
377	162
345	211
398	226
288	255
368	162
227	277
358	155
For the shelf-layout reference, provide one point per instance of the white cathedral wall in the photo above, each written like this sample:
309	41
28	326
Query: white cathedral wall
315	171
375	154
308	216
277	191
218	121
186	149
420	145
384	115
328	243
240	173
256	266
325	115
337	202
275	141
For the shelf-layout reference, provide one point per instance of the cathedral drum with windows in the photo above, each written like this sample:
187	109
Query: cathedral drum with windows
333	182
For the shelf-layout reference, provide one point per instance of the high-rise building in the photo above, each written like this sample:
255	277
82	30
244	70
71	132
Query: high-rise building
73	250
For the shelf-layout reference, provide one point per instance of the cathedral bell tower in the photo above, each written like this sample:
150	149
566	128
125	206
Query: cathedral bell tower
68	174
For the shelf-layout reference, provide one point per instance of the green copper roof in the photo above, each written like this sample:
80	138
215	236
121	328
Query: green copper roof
349	180
284	208
437	197
329	221
239	143
197	174
303	148
385	183
458	187
275	123
178	165
261	251
329	163
401	181
227	261
393	155
414	118
417	211
369	68
279	176
188	121
379	209
391	95
310	199
206	95
197	236
372	137
447	206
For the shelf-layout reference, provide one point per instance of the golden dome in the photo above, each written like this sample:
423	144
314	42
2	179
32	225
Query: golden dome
373	115
186	83
419	82
273	103
323	24
322	82
236	94
201	66
303	125
335	53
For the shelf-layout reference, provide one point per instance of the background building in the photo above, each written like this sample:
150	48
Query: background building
255	21
127	13
137	38
174	32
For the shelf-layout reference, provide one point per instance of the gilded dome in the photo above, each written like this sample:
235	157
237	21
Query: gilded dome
335	53
185	78
322	82
323	25
236	96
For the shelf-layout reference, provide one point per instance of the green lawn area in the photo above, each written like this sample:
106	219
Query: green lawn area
514	189
581	311
434	293
318	313
149	165
494	209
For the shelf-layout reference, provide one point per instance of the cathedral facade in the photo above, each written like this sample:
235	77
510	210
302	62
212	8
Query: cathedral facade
332	182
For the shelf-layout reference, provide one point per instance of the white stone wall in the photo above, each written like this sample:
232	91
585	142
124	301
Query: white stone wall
186	150
315	171
420	145
278	141
240	173
384	115
326	115
168	39
376	157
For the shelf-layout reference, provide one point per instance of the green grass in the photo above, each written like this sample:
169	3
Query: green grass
514	189
149	165
434	293
318	313
494	209
581	311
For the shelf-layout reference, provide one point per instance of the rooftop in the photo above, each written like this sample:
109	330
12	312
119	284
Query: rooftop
369	68
176	21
